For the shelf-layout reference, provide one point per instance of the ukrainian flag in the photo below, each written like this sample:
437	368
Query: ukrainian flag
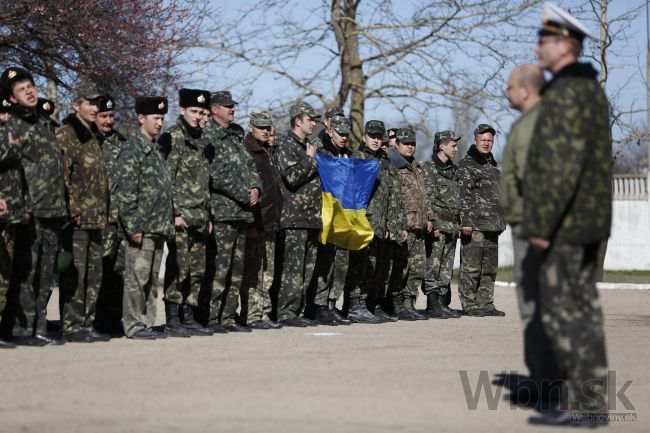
347	185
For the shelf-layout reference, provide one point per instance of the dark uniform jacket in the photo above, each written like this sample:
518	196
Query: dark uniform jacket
42	163
11	179
414	195
441	181
478	182
84	173
189	173
269	209
567	186
233	174
301	187
385	212
144	195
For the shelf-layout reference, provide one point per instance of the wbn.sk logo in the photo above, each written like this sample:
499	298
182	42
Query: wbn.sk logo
491	393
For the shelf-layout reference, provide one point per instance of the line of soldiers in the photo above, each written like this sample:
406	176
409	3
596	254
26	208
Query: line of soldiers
239	212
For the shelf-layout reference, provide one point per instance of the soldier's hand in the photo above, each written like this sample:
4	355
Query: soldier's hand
405	235
466	231
3	207
180	223
26	218
429	226
136	238
436	234
210	227
311	150
76	220
15	141
539	244
255	195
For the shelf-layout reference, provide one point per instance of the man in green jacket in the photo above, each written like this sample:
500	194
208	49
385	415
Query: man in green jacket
567	215
87	197
144	201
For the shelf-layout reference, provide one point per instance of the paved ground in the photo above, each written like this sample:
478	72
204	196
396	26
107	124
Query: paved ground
401	377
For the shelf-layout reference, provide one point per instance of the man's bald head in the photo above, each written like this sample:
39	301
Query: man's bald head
525	86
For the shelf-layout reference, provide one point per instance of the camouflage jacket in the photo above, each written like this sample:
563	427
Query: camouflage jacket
42	163
112	144
144	196
442	191
269	208
11	178
301	187
513	168
478	183
567	186
233	174
385	210
414	194
84	173
190	174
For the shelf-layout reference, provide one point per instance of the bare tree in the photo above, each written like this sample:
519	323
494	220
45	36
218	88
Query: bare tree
368	52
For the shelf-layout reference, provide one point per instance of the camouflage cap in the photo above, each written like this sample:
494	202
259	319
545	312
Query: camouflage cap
333	111
222	97
375	127
445	136
13	75
405	135
86	90
341	124
483	128
46	106
302	109
261	118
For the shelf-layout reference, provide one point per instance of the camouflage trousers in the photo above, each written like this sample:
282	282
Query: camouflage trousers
259	270
80	284
185	267
479	257
378	265
109	301
355	279
407	275
573	320
300	246
229	270
328	279
141	268
538	353
440	263
7	238
34	256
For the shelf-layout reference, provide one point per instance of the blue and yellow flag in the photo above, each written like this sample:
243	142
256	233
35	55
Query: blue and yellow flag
347	185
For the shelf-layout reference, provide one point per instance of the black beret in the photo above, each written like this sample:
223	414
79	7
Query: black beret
106	103
151	105
46	106
14	75
194	98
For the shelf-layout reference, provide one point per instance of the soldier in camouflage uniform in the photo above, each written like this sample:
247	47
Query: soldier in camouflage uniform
410	265
37	239
567	214
442	192
331	272
386	217
87	196
301	216
144	201
109	302
11	193
322	138
235	187
259	265
481	225
190	176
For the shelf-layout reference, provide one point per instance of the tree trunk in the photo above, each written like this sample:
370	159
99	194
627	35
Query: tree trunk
353	81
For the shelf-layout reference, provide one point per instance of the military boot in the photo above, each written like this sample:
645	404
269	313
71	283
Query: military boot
358	313
324	316
192	325
173	325
451	314
400	310
409	304
331	306
434	309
